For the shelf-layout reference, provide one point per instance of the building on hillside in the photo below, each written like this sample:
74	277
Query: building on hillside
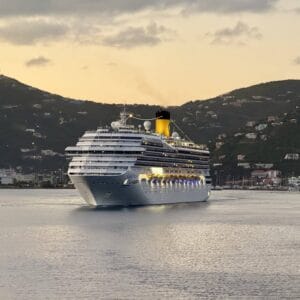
45	179
217	164
6	180
261	127
238	134
244	165
250	124
251	136
272	119
274	124
265	173
31	130
212	114
265	166
219	145
291	156
266	177
263	137
7	176
294	181
241	157
222	136
25	178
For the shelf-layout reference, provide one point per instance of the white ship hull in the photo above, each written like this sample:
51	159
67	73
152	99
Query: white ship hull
110	191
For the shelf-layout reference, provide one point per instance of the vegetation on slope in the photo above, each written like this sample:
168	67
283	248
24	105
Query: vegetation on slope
36	126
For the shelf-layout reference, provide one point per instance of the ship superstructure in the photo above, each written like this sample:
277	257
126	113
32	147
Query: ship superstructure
123	165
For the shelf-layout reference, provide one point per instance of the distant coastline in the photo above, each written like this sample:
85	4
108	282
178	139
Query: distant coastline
216	188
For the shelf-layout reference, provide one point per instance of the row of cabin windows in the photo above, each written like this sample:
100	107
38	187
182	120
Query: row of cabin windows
110	146
102	152
156	145
114	137
86	162
103	161
151	144
154	149
188	152
148	156
175	155
164	164
98	167
91	174
172	160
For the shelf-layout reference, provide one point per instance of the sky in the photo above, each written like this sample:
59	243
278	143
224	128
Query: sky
164	52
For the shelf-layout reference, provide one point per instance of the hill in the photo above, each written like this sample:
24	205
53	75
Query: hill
273	141
36	126
205	120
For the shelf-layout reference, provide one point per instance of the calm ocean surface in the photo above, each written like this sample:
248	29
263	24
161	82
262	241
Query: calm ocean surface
239	244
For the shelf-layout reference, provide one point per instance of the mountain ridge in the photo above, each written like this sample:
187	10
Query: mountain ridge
263	84
36	126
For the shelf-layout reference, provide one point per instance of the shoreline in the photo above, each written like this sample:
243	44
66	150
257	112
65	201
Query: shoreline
36	188
279	189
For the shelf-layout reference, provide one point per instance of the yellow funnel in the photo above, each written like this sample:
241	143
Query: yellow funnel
162	123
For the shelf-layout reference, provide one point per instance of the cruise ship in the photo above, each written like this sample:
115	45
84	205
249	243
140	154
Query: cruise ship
122	165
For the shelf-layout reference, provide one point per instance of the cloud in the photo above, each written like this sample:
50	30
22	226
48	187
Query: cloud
230	6
131	37
297	60
28	32
67	7
237	34
38	62
41	21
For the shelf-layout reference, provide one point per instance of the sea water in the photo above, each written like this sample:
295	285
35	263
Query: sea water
239	244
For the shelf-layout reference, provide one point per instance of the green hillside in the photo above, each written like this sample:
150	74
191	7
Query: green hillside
271	145
36	126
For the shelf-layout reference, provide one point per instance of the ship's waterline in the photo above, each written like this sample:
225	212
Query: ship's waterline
119	191
124	166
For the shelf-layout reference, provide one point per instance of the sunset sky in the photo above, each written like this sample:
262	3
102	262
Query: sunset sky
149	51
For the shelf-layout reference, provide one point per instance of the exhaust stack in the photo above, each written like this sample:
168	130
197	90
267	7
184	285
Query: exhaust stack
162	123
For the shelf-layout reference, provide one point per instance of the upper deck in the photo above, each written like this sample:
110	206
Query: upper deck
128	138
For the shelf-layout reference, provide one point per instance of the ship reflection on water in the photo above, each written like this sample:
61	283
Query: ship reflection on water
160	208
